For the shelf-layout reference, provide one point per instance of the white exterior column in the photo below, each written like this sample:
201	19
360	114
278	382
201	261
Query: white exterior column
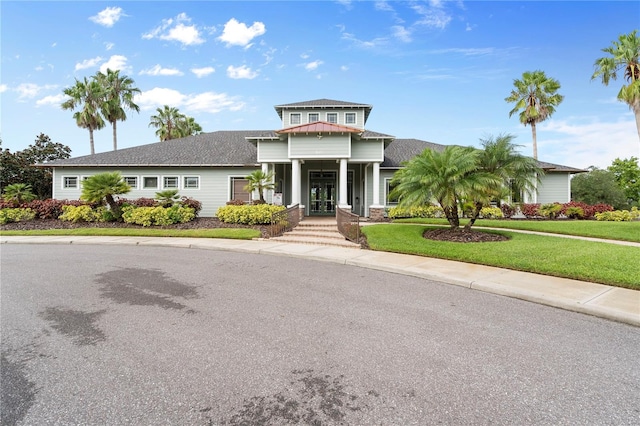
376	185
265	193
342	198
295	182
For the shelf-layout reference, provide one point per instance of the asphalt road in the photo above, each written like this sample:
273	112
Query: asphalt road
113	335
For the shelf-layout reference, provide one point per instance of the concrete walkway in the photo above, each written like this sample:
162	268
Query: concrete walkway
613	303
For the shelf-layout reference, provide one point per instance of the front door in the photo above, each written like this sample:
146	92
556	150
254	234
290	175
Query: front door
322	194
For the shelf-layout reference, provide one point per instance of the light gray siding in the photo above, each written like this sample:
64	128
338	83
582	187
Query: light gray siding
302	146
554	187
272	151
366	150
322	116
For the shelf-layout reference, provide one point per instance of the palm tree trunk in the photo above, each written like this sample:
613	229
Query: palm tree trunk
475	215
93	150
535	141
636	110
451	213
115	137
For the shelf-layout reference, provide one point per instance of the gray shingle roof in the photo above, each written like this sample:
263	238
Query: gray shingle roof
404	149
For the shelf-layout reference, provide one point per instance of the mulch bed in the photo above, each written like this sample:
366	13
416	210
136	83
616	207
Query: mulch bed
462	235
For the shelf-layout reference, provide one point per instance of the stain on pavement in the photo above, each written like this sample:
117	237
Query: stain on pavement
17	392
144	287
78	325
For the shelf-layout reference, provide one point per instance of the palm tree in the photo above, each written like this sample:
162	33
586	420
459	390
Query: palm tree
166	121
624	58
119	93
448	177
87	95
18	193
259	181
103	187
512	171
187	126
536	98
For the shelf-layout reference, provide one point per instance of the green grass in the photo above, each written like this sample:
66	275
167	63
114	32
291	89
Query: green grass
231	233
562	257
623	231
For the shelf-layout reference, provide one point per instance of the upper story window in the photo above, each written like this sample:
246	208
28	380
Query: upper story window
350	118
294	118
332	117
313	117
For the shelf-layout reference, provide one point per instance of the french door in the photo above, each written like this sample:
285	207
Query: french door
322	193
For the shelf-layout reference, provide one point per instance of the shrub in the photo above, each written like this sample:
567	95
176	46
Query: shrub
619	215
574	212
236	203
191	203
507	210
550	210
16	215
138	202
258	214
491	213
52	209
83	213
424	211
530	210
148	216
167	198
468	209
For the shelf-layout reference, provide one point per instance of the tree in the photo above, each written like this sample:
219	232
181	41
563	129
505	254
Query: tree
624	59
513	171
118	96
627	173
88	96
18	193
19	167
597	186
259	181
166	121
449	177
102	188
536	99
187	126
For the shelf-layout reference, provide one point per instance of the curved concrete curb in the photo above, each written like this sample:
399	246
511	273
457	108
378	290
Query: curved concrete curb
613	303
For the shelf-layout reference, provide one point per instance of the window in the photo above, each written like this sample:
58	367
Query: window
170	182
313	117
237	189
70	182
332	117
350	118
388	188
191	182
295	118
132	181
150	182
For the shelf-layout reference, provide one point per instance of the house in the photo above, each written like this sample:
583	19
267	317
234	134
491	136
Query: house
322	157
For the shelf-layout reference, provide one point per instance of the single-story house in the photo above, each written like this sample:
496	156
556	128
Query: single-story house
322	157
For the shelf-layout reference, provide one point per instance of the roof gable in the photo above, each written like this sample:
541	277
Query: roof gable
320	127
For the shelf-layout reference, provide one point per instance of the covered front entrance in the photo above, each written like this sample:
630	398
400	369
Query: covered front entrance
322	193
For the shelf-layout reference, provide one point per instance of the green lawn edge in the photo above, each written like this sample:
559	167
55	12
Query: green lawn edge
622	231
228	233
597	262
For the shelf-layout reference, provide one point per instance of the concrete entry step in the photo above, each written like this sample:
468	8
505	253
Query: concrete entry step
318	231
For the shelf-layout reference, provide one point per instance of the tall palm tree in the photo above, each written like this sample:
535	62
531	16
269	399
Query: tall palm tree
536	99
513	171
88	96
449	177
259	181
166	121
188	126
102	188
119	93
624	58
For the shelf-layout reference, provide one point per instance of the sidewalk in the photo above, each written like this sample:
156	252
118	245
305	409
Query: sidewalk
613	303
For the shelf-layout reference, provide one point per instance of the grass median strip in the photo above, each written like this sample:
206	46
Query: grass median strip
230	233
568	258
623	231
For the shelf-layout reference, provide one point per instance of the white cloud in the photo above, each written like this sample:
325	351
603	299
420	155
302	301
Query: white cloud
312	66
116	62
344	68
241	72
109	46
158	70
108	17
3	88
53	100
384	6
176	30
238	34
31	90
203	72
433	16
210	102
88	63
401	33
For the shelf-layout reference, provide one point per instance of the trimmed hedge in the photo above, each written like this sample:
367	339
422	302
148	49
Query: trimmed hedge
258	214
149	216
16	215
425	211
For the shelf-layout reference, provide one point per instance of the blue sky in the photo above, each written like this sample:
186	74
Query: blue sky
433	70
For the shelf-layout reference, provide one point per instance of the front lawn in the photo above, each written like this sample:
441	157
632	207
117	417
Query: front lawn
562	257
231	233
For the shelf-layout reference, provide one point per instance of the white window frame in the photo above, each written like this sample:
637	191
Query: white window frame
295	118
347	115
135	178
332	114
67	186
232	180
190	188
316	115
144	183
387	185
164	182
